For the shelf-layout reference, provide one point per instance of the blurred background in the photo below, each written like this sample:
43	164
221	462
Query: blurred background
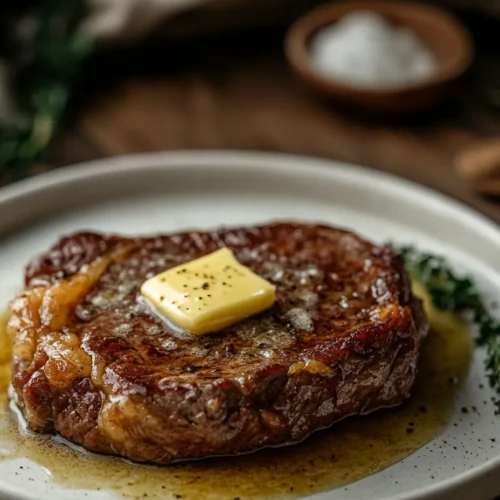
411	89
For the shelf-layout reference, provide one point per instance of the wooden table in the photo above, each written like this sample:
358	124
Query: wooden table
237	93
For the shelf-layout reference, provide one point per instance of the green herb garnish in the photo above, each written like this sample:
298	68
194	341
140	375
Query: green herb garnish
48	64
450	292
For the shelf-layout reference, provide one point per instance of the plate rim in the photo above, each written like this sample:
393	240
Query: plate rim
289	164
237	159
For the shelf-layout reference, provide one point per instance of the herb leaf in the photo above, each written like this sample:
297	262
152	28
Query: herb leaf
450	292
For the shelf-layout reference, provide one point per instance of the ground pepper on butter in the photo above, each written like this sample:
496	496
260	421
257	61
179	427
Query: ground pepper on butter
203	313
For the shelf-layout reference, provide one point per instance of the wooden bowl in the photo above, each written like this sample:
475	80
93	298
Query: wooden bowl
444	35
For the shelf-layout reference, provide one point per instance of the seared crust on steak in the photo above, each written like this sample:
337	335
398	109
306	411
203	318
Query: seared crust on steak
94	364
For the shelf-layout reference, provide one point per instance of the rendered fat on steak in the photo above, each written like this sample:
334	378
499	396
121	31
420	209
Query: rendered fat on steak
93	363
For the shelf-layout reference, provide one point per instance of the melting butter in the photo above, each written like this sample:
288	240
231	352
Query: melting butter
209	293
5	353
349	451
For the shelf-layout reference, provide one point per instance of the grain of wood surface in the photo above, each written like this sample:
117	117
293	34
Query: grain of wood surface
239	94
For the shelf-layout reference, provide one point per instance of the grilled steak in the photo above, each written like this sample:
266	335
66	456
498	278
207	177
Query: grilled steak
94	364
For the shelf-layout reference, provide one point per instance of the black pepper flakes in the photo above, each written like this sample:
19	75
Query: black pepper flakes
205	286
464	410
409	430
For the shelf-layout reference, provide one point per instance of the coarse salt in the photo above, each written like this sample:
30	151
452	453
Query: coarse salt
364	50
300	319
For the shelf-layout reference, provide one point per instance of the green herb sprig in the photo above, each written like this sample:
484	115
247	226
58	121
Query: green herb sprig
47	65
450	292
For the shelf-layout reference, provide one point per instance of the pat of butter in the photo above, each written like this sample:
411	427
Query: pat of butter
209	293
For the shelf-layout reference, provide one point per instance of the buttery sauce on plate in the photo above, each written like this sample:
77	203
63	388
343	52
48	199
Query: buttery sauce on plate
350	450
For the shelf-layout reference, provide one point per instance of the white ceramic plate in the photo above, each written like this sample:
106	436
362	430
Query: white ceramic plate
164	192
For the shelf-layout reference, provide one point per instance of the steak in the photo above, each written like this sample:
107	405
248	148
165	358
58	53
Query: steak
93	363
